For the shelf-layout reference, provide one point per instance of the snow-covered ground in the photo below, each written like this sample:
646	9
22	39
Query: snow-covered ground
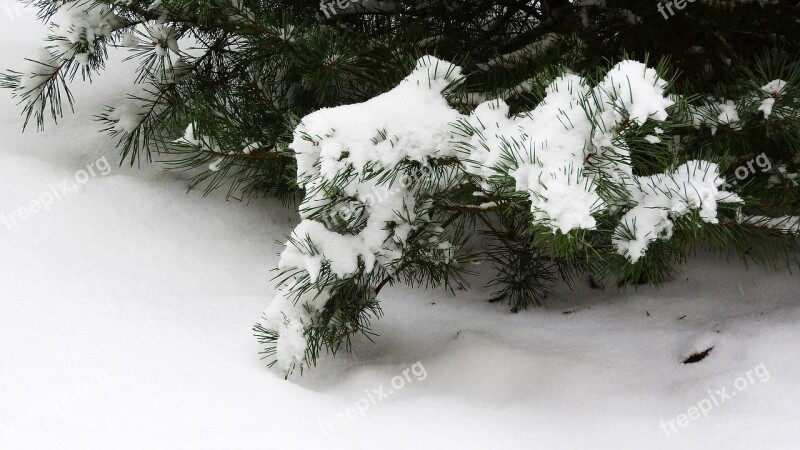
126	307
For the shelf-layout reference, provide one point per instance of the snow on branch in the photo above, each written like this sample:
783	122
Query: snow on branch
78	27
555	158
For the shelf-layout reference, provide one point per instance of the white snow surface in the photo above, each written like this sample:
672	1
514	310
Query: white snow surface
126	307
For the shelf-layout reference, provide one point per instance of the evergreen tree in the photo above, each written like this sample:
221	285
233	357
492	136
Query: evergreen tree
601	138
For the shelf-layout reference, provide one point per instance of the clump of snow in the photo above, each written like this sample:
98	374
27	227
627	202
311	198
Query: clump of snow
565	199
193	139
189	137
129	40
286	33
652	139
542	150
634	92
774	89
127	116
694	186
342	253
766	106
546	150
410	122
80	25
787	224
728	114
716	113
165	38
782	177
